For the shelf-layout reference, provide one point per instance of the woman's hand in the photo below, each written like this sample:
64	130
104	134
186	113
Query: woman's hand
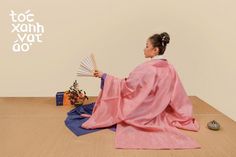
97	73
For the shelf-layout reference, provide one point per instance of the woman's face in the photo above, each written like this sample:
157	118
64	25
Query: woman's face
149	50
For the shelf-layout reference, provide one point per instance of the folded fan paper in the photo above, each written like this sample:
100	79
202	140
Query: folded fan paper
87	66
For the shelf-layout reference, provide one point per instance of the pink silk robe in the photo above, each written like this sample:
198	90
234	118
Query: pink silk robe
149	107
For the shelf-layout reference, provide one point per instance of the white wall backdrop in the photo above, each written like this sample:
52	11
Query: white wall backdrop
202	45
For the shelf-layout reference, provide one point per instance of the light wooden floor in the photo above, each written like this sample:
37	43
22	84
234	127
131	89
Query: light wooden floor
34	127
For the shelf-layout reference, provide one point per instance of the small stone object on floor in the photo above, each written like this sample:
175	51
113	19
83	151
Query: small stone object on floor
213	125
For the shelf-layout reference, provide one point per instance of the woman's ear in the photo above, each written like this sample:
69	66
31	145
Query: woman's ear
157	50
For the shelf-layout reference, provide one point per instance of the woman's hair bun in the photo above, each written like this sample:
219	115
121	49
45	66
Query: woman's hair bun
165	38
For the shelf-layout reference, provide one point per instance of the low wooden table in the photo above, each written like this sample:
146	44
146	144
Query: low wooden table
34	127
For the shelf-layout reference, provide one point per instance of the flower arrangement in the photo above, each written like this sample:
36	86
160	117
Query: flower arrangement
76	96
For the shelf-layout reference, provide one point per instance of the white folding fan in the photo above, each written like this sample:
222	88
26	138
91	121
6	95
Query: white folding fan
87	66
